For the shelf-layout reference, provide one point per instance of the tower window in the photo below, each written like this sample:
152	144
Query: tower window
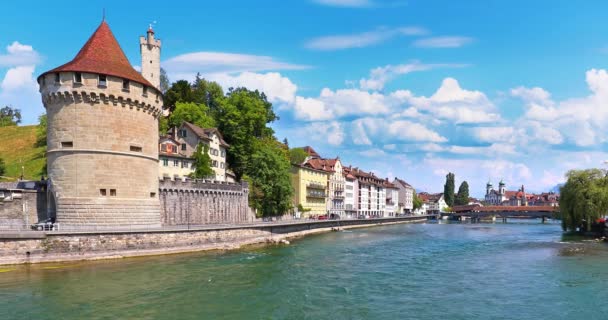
102	192
57	78
102	80
77	77
152	194
113	192
125	84
135	148
67	144
150	61
145	92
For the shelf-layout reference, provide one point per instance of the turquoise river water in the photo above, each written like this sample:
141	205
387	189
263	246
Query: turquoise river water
521	270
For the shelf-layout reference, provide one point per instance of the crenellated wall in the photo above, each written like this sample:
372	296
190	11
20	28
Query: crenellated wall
198	202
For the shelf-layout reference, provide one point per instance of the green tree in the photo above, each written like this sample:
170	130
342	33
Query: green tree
583	199
448	189
202	162
297	155
208	93
164	81
417	202
462	197
271	189
180	91
2	167
197	114
9	116
163	125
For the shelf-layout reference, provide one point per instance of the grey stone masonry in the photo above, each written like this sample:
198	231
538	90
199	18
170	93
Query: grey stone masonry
202	202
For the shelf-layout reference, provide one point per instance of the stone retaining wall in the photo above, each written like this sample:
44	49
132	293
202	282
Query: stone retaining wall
36	247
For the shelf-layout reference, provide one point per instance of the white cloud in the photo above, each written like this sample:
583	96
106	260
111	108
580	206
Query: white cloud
443	42
277	88
185	66
372	153
19	55
334	104
360	40
379	76
404	130
20	77
532	95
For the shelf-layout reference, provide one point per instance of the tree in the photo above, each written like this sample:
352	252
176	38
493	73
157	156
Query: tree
197	114
9	116
202	162
2	167
583	199
163	125
448	189
297	155
462	197
208	93
270	188
164	81
180	91
417	202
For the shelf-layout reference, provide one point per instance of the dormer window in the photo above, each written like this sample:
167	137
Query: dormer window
57	78
145	92
77	77
102	80
125	84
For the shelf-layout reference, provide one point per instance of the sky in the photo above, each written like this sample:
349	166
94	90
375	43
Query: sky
486	89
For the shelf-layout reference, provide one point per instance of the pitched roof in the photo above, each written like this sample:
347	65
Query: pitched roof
322	164
403	183
102	54
311	152
205	133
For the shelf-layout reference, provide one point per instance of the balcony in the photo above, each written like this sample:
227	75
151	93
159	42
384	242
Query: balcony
317	194
316	186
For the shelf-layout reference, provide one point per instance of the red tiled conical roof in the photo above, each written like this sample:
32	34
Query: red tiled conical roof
102	54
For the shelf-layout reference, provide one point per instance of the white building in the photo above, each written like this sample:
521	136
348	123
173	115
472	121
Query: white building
351	194
406	196
392	198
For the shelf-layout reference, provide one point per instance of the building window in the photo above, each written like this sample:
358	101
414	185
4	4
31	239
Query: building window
102	192
176	163
223	153
184	164
163	148
125	84
183	133
67	144
145	92
184	147
174	149
152	194
222	165
77	77
112	192
135	149
102	80
165	162
57	78
214	163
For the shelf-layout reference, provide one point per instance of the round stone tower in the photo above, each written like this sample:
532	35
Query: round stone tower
102	139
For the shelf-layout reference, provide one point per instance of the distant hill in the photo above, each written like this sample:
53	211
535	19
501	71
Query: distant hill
17	148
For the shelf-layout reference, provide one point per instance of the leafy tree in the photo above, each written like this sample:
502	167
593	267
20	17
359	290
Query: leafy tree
197	114
2	167
462	197
208	93
286	143
417	202
583	199
9	116
448	189
180	91
202	162
163	125
297	155
164	81
271	189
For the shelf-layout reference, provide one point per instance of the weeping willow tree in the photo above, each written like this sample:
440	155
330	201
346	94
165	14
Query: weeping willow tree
583	199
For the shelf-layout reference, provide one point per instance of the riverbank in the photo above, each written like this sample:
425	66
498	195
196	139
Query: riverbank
40	247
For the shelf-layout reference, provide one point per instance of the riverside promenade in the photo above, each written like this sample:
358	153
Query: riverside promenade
54	246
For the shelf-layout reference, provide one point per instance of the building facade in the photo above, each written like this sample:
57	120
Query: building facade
310	191
351	194
173	162
102	138
392	198
405	203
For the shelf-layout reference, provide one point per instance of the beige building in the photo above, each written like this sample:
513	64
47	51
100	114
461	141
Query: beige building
186	138
310	186
102	137
172	162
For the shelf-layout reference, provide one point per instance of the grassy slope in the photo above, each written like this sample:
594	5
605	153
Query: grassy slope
16	147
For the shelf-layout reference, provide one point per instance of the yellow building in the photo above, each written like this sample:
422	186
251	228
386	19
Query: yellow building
310	186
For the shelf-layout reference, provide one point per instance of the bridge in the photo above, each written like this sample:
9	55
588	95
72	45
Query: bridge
477	212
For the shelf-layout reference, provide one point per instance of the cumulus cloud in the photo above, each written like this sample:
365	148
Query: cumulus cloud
379	76
185	66
278	89
360	40
443	42
19	55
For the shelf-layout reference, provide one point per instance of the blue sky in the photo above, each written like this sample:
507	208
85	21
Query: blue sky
513	90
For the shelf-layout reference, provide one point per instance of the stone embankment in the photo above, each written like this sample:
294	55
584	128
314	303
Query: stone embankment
55	246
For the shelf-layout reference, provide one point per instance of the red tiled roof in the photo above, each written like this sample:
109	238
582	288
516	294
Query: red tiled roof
102	54
321	164
204	133
311	152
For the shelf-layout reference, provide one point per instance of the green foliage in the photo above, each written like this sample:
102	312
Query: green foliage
202	163
583	199
18	147
180	91
297	155
41	141
163	125
197	114
208	93
9	116
462	197
164	81
271	189
302	209
417	202
2	167
448	189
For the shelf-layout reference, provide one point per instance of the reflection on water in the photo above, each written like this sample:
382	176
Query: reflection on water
522	270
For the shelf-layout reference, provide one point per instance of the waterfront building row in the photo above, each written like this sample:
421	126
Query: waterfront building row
327	187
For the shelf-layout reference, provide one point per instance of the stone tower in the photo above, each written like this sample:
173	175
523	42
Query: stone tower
150	57
102	139
488	187
501	188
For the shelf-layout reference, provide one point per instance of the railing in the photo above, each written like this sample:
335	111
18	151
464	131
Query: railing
318	186
316	195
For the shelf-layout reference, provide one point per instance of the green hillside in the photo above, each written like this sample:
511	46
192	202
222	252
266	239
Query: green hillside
17	147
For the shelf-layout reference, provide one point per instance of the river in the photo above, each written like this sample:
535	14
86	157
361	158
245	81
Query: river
521	270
